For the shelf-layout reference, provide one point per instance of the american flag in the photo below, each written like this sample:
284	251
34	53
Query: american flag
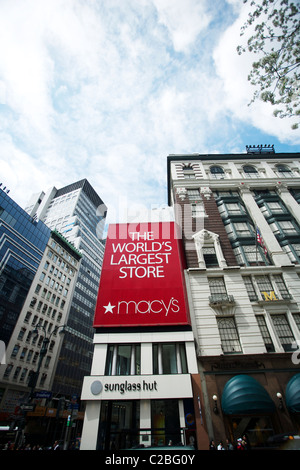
260	240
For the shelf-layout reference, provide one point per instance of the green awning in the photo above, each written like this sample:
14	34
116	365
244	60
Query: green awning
244	395
292	394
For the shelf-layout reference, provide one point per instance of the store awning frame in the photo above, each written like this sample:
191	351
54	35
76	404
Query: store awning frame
243	395
292	394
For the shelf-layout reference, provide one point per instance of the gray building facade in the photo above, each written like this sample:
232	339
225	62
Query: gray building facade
78	213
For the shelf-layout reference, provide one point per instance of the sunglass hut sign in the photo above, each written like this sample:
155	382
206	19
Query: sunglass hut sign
142	277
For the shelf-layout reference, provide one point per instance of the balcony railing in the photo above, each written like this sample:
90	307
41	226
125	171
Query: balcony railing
221	299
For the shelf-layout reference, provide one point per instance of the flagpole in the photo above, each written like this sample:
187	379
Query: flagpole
256	246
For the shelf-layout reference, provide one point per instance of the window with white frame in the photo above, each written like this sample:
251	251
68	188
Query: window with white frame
197	210
239	230
188	172
265	333
293	252
266	288
217	172
210	256
250	287
217	289
281	287
169	358
123	359
194	195
250	171
283	331
284	227
249	255
283	171
229	336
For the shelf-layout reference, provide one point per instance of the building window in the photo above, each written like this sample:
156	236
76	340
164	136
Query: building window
188	172
250	171
217	289
194	195
197	210
280	284
283	331
231	208
293	252
265	333
123	359
229	335
296	317
15	351
265	287
239	230
275	207
210	257
169	358
284	228
217	172
283	171
250	288
249	255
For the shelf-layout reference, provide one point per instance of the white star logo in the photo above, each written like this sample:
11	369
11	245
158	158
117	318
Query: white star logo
109	308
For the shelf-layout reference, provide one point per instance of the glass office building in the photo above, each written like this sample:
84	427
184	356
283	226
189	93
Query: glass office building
22	242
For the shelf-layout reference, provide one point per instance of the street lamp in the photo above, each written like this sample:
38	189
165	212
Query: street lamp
44	348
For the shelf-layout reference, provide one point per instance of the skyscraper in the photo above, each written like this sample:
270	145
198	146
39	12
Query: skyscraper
78	213
22	243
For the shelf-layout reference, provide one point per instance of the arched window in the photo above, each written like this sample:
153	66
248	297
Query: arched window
217	172
284	171
250	171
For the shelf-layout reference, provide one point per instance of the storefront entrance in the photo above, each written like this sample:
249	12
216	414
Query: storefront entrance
165	422
119	426
257	429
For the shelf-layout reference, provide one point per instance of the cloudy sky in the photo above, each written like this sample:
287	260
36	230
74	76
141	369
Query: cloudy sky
106	89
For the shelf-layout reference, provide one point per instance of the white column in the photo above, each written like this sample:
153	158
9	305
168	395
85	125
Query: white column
145	422
279	257
289	201
90	426
146	359
99	359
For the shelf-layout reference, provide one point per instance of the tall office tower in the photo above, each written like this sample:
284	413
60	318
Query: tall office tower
22	243
240	220
33	348
78	213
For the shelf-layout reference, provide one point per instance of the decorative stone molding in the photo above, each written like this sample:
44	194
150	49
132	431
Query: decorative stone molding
206	192
182	192
206	238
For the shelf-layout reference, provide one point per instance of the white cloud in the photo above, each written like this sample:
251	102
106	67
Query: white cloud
106	90
233	70
184	20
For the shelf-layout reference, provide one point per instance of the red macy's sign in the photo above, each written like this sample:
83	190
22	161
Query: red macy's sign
142	279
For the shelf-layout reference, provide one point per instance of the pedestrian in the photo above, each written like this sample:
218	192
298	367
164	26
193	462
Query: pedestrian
220	446
240	444
229	445
246	442
56	445
212	445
